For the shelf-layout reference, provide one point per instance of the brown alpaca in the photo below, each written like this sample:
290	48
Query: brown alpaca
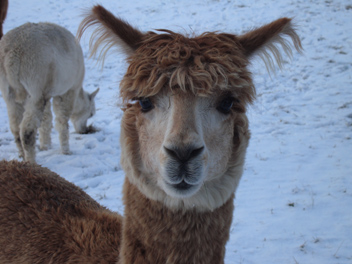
3	12
184	133
183	140
46	219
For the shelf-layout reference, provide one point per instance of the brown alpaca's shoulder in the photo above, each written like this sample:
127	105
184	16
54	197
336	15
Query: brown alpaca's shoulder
48	218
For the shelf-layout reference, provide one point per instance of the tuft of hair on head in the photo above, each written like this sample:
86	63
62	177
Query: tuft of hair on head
266	41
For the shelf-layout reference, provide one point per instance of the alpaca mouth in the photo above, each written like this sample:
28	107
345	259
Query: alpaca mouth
182	186
183	179
183	174
181	189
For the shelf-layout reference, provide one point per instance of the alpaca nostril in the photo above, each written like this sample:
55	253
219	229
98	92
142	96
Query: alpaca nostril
184	154
196	152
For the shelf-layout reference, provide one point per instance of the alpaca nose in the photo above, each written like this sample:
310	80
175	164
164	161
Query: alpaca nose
183	154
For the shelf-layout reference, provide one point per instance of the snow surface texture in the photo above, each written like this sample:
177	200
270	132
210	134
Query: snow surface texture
294	203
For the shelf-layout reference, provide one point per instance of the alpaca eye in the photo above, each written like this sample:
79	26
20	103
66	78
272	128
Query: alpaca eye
225	105
146	104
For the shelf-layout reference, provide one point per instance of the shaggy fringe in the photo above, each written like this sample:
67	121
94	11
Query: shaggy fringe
207	64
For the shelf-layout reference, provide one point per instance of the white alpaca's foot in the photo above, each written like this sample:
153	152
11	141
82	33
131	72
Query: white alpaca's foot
44	147
66	151
30	158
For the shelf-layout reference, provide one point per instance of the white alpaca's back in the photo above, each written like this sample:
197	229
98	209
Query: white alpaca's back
39	62
41	58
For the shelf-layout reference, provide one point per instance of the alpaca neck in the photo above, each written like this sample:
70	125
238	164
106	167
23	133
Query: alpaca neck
153	233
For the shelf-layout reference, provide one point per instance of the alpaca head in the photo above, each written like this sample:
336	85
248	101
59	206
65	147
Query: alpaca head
84	109
184	130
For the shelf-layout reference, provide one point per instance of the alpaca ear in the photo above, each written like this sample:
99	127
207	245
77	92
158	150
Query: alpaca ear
268	38
93	94
110	31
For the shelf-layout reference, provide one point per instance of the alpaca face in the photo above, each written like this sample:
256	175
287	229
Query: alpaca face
186	150
185	140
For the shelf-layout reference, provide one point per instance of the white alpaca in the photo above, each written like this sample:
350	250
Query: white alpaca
39	62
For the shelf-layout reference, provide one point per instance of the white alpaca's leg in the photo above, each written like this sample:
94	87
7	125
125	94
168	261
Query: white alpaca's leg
63	107
28	129
15	113
45	128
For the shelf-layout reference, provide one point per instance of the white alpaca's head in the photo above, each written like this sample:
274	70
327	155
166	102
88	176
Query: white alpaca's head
84	109
184	131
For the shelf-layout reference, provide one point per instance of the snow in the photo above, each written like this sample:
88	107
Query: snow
294	202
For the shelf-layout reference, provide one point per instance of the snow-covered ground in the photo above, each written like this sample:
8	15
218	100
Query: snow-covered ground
294	203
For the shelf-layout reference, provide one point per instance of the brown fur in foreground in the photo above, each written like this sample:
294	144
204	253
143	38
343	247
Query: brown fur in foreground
46	219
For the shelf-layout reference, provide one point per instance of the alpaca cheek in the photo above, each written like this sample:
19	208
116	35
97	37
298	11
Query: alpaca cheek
219	148
150	141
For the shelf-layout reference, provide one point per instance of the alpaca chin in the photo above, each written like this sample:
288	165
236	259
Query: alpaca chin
181	190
